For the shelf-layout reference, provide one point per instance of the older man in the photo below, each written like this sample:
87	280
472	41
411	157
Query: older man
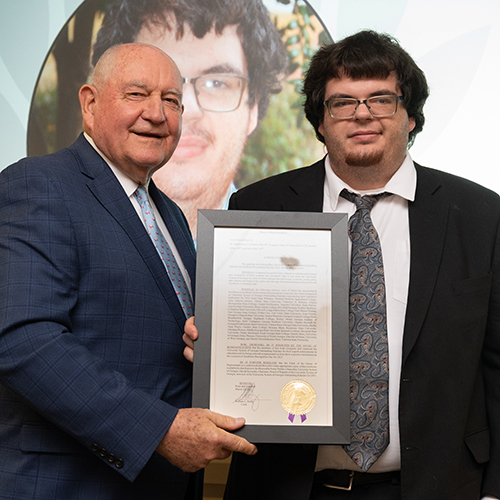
97	279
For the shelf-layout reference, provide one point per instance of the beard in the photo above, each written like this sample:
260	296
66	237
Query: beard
202	182
184	183
368	159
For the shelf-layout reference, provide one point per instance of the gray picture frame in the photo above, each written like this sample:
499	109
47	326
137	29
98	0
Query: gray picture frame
208	221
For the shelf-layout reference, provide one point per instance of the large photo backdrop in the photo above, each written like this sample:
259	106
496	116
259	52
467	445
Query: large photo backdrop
457	45
242	61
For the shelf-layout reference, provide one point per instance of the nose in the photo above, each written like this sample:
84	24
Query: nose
192	110
363	112
153	110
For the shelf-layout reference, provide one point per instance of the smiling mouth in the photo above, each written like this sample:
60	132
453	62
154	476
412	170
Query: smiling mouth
365	136
364	133
149	134
190	147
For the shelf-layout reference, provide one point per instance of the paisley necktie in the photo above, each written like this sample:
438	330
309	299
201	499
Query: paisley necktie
369	357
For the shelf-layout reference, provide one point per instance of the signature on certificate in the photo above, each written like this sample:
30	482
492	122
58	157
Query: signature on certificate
248	396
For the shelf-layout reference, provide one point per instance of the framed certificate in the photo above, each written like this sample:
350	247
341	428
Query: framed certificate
272	314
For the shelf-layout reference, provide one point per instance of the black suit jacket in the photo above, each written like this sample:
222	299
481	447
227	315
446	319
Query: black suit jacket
449	408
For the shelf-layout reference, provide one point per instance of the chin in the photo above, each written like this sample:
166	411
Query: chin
181	186
185	168
368	159
150	162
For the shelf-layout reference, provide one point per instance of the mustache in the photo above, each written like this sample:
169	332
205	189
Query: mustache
195	130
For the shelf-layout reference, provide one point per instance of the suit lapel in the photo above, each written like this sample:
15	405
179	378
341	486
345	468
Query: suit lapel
428	216
108	191
306	191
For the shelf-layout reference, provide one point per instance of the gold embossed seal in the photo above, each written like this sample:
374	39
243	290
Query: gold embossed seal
298	398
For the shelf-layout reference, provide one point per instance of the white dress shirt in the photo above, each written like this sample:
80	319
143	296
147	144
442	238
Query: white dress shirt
390	218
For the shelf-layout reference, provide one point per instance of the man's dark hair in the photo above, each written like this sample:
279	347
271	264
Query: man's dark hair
366	54
266	57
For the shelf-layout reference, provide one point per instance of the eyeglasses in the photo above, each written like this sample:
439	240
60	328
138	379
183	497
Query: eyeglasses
218	92
344	108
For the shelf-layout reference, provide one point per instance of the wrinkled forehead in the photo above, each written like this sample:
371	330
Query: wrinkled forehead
145	65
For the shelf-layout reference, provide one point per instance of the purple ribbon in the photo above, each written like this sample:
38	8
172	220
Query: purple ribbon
291	416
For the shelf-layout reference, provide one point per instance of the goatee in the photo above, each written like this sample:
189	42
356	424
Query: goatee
364	159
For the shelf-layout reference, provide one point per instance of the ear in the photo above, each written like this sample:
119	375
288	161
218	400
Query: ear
87	96
253	118
321	129
411	123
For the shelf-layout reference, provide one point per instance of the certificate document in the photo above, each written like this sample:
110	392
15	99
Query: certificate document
272	315
271	357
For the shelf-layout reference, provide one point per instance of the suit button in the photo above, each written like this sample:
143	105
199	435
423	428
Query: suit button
111	458
119	463
95	448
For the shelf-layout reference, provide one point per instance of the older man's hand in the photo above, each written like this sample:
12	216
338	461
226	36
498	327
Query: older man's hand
189	337
198	436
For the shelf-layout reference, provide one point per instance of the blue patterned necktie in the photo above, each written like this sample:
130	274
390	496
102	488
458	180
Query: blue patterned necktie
369	356
164	251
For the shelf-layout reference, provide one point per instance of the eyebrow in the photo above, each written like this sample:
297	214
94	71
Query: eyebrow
144	86
373	94
141	85
223	68
173	91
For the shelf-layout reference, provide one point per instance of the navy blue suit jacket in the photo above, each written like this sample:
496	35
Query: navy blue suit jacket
92	371
449	405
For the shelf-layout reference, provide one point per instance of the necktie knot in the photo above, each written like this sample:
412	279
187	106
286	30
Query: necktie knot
141	195
140	190
363	202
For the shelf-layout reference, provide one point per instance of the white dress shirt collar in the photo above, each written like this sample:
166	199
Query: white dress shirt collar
126	182
403	183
